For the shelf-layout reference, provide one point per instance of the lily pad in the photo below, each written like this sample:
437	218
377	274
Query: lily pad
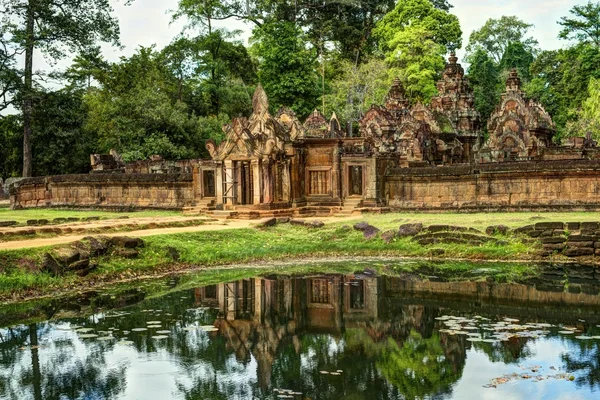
159	337
139	329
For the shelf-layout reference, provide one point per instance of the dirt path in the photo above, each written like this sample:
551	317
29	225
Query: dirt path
212	226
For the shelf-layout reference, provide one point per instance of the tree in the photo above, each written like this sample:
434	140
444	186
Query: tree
497	34
417	60
10	151
584	26
414	38
52	27
287	67
588	117
517	56
443	28
355	89
87	65
484	77
442	4
10	77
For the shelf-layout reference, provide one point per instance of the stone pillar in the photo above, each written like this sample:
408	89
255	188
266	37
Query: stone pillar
267	182
230	192
285	181
258	300
231	294
219	183
197	182
335	174
238	187
256	181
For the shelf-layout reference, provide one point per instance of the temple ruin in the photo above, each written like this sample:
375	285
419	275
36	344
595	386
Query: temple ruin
406	156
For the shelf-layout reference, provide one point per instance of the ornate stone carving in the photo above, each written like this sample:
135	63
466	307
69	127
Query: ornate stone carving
259	136
316	125
519	127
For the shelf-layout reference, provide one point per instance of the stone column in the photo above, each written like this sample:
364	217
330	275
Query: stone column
256	181
197	182
285	181
238	187
219	183
230	192
335	174
258	300
267	182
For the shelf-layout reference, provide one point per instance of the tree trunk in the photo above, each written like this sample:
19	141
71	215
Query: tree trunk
27	100
35	362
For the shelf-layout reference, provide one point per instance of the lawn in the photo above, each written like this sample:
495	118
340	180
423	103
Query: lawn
21	216
479	220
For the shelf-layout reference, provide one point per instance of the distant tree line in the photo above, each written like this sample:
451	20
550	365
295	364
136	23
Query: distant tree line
335	56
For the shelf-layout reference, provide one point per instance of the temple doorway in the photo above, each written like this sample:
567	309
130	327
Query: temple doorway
208	184
355	180
247	183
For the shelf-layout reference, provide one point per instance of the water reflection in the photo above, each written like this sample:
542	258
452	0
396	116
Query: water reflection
326	337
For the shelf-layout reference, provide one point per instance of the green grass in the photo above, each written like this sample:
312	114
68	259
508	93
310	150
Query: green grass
287	242
21	216
479	220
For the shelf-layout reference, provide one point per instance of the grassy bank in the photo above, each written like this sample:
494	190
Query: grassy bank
20	277
22	216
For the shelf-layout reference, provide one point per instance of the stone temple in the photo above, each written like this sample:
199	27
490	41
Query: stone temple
405	157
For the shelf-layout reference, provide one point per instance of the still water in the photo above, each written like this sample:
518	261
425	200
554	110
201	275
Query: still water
318	337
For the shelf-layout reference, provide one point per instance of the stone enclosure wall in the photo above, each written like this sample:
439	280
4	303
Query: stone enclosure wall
118	191
544	185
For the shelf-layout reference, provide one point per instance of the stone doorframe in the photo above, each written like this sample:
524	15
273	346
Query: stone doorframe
346	165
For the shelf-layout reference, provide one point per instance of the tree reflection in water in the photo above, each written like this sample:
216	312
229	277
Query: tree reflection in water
272	333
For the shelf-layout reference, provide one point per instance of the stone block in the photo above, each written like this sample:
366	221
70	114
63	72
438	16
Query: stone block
50	265
497	229
409	230
267	222
126	253
573	226
581	238
547	233
79	265
388	236
594	226
370	232
554	247
4	224
589	244
553	240
542	226
361	226
314	224
578	252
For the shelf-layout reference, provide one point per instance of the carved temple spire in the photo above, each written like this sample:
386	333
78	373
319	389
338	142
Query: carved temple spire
260	102
396	98
513	83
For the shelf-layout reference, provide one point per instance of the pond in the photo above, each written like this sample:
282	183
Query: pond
353	336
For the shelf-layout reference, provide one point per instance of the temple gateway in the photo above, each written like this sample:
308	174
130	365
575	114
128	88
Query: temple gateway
404	156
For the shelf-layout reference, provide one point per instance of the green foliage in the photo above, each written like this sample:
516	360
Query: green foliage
416	60
484	77
414	38
584	26
496	35
418	368
516	55
588	117
287	67
11	135
355	89
443	28
60	143
560	80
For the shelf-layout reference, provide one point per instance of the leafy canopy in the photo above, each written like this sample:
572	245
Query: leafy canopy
496	35
584	26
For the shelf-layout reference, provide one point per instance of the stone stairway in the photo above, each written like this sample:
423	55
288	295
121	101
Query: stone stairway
350	206
202	207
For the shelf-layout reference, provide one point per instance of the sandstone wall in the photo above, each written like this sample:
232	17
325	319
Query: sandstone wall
551	185
167	191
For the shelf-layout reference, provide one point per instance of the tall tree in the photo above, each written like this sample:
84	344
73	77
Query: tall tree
484	77
517	56
584	26
497	34
442	4
52	27
287	67
414	38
